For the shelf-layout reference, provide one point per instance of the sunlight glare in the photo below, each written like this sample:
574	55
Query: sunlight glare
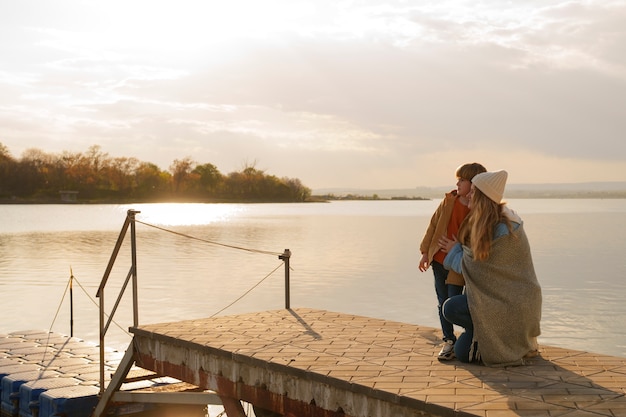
187	214
191	24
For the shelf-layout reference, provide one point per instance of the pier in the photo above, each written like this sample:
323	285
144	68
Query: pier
297	362
307	362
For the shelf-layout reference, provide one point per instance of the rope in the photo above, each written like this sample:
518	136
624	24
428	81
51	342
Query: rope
72	277
43	358
279	254
97	305
59	307
247	292
209	241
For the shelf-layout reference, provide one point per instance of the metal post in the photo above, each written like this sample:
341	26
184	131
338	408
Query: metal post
101	346
129	221
285	258
71	303
133	245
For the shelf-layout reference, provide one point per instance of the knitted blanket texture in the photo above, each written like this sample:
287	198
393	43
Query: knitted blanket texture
504	298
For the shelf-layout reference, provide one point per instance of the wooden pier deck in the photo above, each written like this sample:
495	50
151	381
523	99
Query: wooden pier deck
307	362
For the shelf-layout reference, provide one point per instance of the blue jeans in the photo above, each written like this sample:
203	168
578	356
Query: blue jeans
456	310
444	291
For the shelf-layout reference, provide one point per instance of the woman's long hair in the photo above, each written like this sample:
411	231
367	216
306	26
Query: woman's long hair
478	227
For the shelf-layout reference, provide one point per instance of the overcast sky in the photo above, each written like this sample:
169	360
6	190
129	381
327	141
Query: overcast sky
365	94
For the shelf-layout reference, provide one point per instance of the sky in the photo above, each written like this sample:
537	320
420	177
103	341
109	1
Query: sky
359	94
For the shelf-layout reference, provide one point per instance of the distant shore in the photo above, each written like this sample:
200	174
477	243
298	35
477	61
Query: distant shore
16	201
352	195
513	191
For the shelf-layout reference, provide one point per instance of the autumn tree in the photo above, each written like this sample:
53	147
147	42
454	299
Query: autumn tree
297	191
121	174
151	181
181	170
209	178
7	167
97	176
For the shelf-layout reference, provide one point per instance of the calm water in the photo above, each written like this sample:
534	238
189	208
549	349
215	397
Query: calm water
352	257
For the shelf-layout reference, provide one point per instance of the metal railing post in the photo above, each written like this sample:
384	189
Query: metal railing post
285	258
101	346
129	221
133	245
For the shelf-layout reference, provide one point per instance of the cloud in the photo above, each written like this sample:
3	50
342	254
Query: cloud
334	93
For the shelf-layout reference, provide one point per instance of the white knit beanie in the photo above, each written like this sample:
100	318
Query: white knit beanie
491	184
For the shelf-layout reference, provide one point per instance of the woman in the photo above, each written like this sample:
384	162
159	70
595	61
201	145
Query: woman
501	308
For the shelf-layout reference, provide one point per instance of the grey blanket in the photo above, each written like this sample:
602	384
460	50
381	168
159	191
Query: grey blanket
504	298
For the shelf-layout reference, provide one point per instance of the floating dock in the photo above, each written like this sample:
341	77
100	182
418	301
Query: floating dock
307	362
44	374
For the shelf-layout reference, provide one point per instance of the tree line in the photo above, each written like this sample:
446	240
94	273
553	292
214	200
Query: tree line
95	176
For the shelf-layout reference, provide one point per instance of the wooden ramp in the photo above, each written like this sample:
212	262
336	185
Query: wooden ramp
306	362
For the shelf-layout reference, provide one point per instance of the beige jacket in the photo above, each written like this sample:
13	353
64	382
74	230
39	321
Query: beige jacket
439	226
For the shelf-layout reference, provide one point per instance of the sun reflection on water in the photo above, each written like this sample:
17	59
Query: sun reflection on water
187	214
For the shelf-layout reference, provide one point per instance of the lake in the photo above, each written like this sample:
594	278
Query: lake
358	257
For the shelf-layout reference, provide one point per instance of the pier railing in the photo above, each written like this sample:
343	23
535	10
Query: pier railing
131	277
132	274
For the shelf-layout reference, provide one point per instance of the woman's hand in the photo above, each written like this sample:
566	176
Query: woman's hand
446	244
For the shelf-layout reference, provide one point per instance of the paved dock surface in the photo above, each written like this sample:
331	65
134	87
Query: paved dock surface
340	362
351	365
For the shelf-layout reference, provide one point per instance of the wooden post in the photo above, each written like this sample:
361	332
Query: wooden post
233	407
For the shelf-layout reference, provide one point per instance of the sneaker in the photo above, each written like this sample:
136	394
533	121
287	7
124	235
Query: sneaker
447	351
474	353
